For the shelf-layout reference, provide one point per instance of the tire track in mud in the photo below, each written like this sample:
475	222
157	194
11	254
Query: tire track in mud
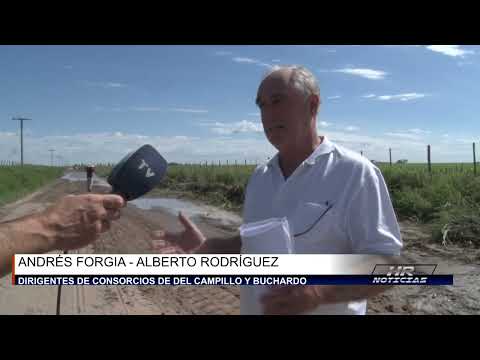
170	299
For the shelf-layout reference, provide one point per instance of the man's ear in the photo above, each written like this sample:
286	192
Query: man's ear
314	104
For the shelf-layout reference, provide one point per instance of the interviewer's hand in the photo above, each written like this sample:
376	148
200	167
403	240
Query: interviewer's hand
77	220
189	240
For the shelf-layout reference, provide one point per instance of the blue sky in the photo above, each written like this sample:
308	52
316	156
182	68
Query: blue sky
197	103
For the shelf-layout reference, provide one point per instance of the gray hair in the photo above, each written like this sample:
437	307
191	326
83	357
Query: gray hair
302	79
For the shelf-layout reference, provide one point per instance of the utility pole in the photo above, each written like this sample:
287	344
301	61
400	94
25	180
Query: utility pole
21	136
51	156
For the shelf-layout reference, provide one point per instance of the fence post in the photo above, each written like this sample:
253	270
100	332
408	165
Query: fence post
390	153
429	160
474	161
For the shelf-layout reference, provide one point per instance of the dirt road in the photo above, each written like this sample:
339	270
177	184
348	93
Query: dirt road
131	235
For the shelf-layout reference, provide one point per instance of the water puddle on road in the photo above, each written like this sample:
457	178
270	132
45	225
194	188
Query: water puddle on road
213	215
81	176
173	206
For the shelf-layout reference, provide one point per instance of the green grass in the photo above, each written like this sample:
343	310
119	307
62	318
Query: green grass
446	201
17	182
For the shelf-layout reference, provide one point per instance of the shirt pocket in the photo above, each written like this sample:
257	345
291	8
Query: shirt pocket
316	227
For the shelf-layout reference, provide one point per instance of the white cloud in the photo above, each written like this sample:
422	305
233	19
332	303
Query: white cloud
254	114
223	53
2	134
401	97
334	97
450	50
245	60
269	66
111	147
352	128
276	60
243	126
463	63
96	147
365	73
110	109
192	111
152	109
411	134
376	147
146	108
408	136
368	96
419	131
114	85
106	85
324	124
466	141
402	46
445	135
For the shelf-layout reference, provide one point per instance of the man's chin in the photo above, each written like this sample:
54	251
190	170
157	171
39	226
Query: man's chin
277	146
277	142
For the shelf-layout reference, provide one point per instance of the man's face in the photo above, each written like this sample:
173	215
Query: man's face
284	110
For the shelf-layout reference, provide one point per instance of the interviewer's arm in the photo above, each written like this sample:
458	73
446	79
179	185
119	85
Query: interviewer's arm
28	235
73	222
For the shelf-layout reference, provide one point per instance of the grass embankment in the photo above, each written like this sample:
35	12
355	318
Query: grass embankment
447	202
17	182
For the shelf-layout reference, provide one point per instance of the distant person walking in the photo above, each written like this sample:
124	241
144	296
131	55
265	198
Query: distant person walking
90	170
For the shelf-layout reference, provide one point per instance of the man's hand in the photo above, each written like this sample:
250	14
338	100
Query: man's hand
294	300
77	220
189	240
291	300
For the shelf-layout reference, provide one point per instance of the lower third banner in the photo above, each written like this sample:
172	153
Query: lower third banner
232	280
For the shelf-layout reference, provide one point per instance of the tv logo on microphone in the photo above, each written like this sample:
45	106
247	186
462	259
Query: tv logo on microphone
149	173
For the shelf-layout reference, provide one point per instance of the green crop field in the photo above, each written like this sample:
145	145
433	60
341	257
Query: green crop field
447	200
17	181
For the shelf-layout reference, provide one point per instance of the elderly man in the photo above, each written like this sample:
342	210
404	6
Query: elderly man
73	222
309	176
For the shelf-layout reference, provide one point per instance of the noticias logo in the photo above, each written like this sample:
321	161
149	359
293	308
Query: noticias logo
400	275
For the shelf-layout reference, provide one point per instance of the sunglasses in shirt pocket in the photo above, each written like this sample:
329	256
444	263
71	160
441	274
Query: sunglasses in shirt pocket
309	216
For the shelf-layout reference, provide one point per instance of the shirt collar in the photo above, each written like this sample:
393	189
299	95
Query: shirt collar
326	147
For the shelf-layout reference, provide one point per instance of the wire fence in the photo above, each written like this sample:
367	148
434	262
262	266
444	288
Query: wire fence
393	155
5	163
